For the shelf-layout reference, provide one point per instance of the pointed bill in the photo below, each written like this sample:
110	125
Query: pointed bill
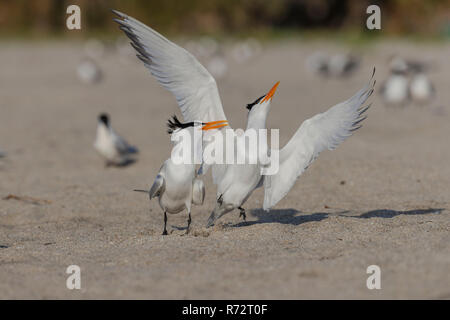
215	125
270	94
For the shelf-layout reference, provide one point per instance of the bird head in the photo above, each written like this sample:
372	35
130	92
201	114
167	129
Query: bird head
174	124
263	102
104	118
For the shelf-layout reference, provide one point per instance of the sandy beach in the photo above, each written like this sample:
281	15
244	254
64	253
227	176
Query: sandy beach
382	198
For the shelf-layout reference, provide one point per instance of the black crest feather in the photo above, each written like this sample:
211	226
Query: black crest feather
174	124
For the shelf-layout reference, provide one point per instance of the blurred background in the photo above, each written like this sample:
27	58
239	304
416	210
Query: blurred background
60	205
399	17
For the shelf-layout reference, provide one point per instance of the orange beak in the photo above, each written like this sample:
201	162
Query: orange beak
271	92
215	125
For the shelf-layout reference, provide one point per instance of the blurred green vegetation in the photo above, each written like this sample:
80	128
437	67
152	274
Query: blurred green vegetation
266	18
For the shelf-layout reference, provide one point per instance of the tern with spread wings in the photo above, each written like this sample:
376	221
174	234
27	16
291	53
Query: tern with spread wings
196	92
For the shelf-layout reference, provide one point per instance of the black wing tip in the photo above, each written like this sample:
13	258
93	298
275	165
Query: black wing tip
144	59
118	13
119	22
355	128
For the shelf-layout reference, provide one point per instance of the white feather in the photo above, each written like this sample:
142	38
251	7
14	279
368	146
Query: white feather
177	70
323	131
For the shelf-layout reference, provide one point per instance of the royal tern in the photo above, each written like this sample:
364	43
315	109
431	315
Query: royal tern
176	185
110	145
323	131
236	182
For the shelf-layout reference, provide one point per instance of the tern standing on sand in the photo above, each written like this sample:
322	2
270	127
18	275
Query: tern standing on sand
110	145
198	97
176	185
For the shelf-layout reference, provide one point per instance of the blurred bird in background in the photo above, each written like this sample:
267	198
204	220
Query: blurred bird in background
337	65
89	72
421	89
111	146
408	82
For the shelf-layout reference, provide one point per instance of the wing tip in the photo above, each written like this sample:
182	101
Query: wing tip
119	14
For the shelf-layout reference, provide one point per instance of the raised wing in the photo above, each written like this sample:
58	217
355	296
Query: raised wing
177	70
323	131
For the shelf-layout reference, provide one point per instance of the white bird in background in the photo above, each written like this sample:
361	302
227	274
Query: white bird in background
323	131
338	65
111	146
394	90
407	81
236	182
317	63
198	97
421	89
176	185
89	72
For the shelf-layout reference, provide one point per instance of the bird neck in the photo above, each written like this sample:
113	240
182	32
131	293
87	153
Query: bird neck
103	130
256	119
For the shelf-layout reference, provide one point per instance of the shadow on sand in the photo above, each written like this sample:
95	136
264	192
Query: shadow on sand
386	213
294	217
284	216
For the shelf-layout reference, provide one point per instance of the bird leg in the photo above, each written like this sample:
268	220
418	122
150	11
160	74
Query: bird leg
242	213
165	223
189	223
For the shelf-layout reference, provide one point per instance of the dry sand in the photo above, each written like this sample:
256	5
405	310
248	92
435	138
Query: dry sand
381	198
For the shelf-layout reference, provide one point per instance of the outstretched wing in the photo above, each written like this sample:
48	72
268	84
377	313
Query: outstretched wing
323	131
177	70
